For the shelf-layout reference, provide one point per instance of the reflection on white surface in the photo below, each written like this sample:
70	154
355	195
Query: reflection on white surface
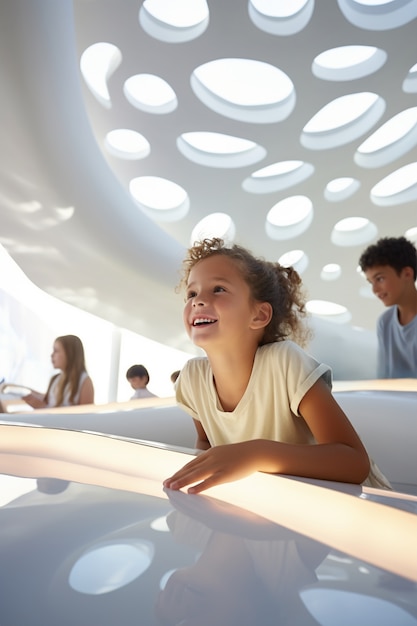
345	608
11	487
160	524
111	566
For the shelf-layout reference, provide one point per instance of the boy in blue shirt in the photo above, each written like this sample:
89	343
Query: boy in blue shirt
390	266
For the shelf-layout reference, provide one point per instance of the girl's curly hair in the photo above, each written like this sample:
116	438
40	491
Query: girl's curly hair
268	282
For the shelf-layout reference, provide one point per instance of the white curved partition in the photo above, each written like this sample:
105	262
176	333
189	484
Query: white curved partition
157	420
386	421
387	424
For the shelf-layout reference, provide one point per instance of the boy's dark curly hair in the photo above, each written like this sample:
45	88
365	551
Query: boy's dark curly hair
268	282
397	252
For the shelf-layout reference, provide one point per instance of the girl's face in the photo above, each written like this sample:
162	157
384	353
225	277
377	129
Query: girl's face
219	307
58	356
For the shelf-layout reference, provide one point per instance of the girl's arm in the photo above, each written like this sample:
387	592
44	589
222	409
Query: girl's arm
202	442
338	455
87	392
35	399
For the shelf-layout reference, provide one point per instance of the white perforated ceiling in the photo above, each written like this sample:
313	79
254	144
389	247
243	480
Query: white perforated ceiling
271	124
125	125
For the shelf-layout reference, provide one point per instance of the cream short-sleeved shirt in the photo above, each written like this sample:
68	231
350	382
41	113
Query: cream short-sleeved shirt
281	376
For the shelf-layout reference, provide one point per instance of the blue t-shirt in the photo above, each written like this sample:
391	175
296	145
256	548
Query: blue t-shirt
397	346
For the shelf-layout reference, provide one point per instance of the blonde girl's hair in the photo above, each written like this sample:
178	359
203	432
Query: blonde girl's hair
75	367
268	282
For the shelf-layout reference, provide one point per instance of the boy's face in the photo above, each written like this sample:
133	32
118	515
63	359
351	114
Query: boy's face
137	382
386	283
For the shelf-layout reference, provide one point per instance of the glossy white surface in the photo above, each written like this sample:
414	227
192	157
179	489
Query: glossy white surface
385	420
88	536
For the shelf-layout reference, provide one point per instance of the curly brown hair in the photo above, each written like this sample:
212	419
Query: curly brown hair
269	282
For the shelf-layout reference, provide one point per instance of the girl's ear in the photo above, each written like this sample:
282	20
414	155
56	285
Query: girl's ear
263	315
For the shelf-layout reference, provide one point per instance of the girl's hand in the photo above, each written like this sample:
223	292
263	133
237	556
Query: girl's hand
35	400
217	465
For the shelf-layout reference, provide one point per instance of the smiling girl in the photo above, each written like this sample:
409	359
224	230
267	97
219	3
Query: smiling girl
259	401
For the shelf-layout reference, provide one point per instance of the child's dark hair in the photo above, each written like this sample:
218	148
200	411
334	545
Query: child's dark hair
268	282
139	371
396	252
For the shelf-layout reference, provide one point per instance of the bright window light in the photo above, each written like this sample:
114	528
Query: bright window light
348	62
396	188
157	193
329	310
127	144
97	64
245	82
331	271
174	21
339	184
219	150
393	130
214	225
290	211
391	141
244	89
150	93
218	142
276	169
341	121
340	189
340	112
296	259
279	9
278	176
281	17
177	13
289	217
378	15
345	56
410	81
411	234
353	231
159	198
